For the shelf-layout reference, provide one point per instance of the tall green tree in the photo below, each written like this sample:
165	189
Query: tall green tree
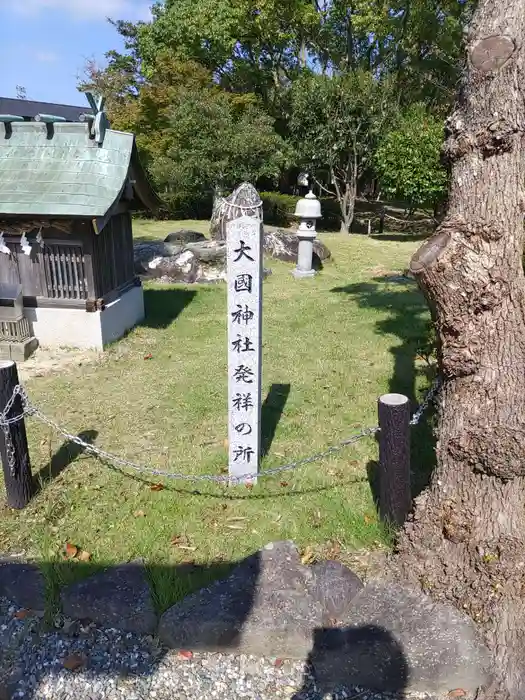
194	136
335	125
249	45
408	160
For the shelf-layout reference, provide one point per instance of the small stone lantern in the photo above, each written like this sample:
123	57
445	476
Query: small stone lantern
308	210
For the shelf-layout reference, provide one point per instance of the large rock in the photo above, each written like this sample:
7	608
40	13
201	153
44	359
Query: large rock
184	236
396	639
334	585
203	261
22	583
245	196
269	606
283	245
117	598
187	256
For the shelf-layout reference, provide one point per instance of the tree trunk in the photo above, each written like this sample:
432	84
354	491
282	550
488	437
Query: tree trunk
347	204
465	542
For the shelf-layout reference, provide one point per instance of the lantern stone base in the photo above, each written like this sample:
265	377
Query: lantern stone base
18	351
300	274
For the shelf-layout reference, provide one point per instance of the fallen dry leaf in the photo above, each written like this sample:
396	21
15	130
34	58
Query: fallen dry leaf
181	542
457	693
183	654
73	662
278	663
139	514
367	519
22	614
157	487
248	486
308	556
71	550
84	556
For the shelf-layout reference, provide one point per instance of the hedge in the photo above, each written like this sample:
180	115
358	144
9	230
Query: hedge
279	209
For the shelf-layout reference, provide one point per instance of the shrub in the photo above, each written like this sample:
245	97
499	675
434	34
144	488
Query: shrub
279	209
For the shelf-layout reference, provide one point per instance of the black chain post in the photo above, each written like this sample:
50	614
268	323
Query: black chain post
13	440
395	498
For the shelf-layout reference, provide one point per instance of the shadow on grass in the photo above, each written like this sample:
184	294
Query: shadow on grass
63	457
120	597
407	319
163	306
231	493
272	410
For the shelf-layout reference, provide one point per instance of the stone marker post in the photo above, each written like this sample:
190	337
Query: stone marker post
244	237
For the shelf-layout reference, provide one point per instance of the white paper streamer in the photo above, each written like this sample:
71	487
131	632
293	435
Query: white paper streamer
25	245
3	246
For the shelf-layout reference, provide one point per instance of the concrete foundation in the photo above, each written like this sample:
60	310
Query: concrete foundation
77	328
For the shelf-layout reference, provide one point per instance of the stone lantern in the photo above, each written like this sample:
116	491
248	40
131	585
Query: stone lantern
308	210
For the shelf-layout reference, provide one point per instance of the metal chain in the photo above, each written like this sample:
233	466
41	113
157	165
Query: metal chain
6	423
30	410
434	389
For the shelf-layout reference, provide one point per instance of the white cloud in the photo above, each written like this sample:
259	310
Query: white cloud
46	56
84	10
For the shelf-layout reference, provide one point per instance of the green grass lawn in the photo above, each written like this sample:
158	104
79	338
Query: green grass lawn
332	345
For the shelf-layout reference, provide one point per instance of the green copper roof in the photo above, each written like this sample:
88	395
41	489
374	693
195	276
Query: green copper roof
58	170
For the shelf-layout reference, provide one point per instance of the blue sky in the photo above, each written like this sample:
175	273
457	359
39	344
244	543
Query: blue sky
44	44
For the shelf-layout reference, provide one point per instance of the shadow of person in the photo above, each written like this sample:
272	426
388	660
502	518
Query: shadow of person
344	658
111	622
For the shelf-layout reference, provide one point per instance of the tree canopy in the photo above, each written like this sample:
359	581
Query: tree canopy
288	69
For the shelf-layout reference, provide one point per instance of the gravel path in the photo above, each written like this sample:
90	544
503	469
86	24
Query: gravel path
85	663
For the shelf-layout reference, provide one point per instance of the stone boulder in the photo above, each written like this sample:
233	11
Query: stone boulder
184	236
397	639
187	256
268	606
283	245
192	262
385	637
23	583
118	598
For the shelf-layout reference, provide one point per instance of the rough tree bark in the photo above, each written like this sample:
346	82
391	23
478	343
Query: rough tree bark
465	542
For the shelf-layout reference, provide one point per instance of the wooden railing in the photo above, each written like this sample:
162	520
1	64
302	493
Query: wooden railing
64	269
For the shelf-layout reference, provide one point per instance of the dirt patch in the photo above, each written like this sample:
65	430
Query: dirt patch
55	360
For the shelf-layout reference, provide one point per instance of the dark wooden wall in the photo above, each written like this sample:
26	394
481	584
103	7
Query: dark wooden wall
75	267
113	255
